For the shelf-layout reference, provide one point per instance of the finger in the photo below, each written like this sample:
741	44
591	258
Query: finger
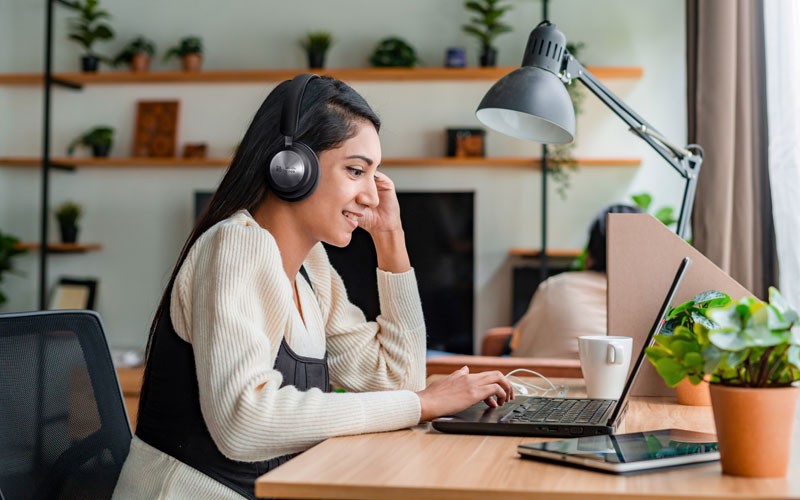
495	390
490	401
501	394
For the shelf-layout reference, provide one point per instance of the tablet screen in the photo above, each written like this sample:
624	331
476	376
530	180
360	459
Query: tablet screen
629	452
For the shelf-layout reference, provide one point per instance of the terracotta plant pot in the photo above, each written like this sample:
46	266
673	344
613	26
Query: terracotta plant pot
754	429
191	62
693	395
140	63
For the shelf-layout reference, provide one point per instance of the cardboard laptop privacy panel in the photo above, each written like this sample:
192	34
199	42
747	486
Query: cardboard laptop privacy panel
642	255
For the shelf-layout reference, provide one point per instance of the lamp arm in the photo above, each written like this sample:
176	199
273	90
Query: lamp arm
686	161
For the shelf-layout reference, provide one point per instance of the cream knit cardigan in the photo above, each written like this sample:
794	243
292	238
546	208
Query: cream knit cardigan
233	302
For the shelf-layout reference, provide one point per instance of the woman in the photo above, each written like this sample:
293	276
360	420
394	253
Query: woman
255	326
569	305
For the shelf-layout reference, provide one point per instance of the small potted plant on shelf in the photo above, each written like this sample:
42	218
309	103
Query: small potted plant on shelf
486	26
750	352
137	54
99	139
9	249
190	50
394	52
88	28
67	215
317	45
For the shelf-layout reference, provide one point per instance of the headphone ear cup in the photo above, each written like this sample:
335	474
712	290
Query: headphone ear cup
293	173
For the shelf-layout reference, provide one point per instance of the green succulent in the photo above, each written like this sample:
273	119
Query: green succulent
139	45
748	343
187	45
68	213
98	136
394	52
318	41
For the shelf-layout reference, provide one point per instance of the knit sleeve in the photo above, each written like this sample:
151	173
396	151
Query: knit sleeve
232	303
388	353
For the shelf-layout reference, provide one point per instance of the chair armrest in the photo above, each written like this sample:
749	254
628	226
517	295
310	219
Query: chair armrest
549	367
494	340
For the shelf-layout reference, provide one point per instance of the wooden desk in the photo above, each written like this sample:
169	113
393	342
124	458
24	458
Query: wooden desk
423	463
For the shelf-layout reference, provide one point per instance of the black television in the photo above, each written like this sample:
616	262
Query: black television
440	229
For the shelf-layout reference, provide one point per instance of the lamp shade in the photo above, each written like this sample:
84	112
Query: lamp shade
531	102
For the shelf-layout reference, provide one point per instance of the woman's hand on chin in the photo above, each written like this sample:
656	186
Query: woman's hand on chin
386	216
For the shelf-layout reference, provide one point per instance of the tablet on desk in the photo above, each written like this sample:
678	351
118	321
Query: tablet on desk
628	453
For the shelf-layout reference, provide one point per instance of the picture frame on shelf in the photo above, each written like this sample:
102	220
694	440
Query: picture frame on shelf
74	293
156	129
466	142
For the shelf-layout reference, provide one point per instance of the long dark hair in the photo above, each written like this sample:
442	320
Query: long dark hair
329	114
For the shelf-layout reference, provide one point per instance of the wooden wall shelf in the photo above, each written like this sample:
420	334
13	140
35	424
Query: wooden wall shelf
433	161
63	247
273	75
537	252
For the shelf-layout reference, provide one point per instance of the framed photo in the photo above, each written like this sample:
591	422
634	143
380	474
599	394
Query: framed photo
156	128
465	142
71	293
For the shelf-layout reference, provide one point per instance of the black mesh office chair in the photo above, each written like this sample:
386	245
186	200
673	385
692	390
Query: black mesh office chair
64	432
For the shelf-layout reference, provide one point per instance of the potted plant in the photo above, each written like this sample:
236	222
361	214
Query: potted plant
137	54
67	215
486	26
9	249
190	50
88	28
99	139
691	315
751	355
393	52
316	45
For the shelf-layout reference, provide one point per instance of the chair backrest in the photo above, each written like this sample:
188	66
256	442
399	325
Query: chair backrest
64	432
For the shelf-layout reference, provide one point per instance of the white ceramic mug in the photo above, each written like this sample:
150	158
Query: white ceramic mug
604	362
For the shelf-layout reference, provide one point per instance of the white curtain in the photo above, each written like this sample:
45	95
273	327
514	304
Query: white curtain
782	32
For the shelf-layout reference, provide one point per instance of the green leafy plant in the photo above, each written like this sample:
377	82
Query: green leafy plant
139	45
187	45
318	42
99	139
485	25
88	27
68	213
561	162
8	250
394	52
748	343
664	214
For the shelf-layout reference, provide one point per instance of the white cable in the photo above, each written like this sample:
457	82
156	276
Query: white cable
560	390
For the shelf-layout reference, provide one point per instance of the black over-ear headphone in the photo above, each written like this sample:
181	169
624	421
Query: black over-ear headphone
294	170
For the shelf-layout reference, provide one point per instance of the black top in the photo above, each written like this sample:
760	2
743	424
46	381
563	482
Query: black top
170	419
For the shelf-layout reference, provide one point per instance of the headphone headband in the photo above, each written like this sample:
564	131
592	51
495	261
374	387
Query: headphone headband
290	116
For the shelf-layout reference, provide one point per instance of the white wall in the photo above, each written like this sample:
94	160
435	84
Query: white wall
141	216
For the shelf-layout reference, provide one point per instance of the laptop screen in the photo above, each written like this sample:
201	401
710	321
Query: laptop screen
654	330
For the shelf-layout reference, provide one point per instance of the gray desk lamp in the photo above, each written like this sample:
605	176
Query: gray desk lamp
532	103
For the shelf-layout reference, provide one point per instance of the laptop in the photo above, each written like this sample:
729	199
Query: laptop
558	417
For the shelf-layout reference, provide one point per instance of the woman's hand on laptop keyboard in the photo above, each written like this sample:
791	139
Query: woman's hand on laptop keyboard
462	389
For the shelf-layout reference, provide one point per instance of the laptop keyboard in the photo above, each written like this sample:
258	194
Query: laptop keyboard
559	411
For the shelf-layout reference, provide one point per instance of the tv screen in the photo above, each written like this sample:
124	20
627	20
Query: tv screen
439	229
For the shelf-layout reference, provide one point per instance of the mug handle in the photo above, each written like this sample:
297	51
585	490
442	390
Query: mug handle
614	353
